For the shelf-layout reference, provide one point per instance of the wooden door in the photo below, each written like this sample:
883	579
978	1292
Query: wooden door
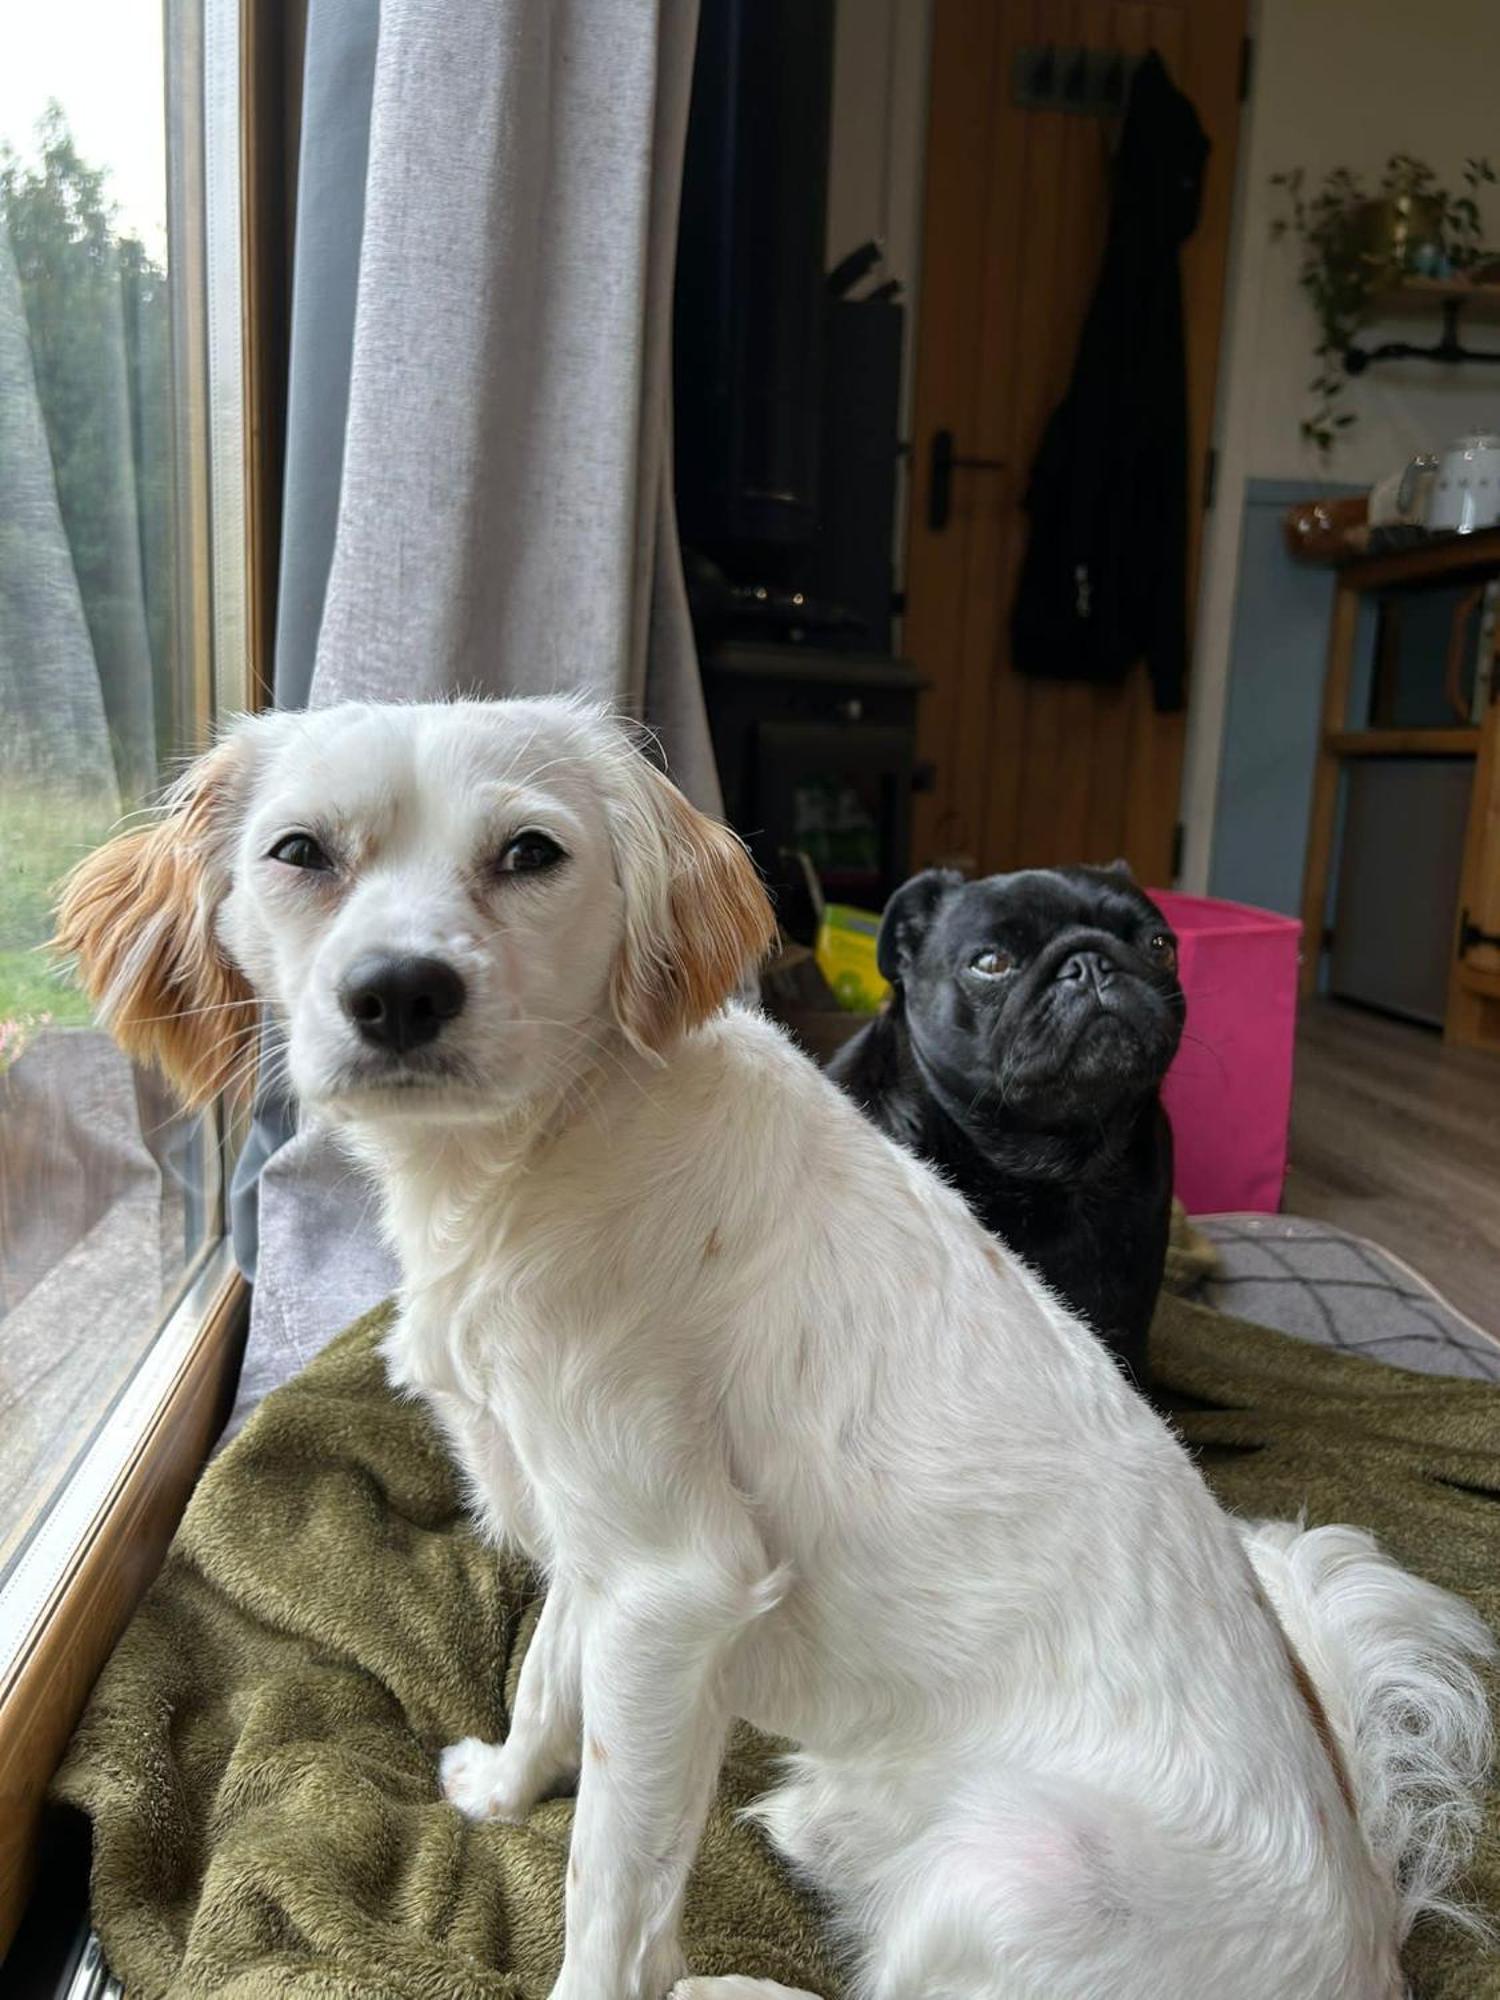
1035	772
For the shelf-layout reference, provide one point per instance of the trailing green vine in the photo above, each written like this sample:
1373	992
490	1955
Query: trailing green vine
1356	244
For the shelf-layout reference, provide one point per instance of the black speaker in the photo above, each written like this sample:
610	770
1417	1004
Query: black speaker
852	563
749	314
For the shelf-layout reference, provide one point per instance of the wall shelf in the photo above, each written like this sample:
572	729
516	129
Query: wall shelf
1453	298
1420	295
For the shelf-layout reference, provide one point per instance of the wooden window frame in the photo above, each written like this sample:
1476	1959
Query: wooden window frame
119	1553
187	1380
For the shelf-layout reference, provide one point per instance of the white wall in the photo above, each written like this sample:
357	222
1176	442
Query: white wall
1336	83
876	158
879	132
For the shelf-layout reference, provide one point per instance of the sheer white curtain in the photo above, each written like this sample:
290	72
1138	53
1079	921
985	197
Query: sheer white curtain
504	517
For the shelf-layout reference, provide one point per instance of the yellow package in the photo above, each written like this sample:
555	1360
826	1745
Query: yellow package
845	952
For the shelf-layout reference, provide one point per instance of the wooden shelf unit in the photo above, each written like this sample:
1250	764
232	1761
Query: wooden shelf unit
1404	742
1473	1010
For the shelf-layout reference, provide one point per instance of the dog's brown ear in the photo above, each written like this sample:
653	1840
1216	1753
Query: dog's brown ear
138	918
697	916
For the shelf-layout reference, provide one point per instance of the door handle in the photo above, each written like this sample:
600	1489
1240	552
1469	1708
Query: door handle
942	462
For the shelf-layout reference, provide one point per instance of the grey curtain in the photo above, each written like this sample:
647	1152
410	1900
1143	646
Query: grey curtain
338	78
503	518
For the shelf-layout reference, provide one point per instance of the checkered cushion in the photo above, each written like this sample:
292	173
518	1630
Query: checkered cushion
1320	1283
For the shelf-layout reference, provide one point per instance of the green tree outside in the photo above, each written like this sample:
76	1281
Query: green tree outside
87	561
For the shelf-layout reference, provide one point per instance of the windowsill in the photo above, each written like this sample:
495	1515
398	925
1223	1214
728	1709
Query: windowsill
68	1598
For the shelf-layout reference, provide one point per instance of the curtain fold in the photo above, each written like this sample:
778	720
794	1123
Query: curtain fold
338	77
504	516
337	82
509	401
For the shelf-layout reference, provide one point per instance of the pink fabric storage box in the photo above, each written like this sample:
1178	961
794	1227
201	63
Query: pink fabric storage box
1229	1092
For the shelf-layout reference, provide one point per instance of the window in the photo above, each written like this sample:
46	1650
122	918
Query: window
121	632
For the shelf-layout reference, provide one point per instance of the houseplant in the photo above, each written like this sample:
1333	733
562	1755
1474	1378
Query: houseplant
1356	244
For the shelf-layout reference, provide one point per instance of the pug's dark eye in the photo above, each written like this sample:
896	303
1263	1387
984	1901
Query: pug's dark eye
528	853
300	850
1164	951
993	964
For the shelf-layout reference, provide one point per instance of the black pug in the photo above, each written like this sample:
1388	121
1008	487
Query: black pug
1032	1019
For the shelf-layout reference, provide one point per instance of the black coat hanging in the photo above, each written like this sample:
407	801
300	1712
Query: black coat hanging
1104	582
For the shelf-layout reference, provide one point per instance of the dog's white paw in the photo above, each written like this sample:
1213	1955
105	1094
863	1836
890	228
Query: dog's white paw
482	1781
580	1982
734	1987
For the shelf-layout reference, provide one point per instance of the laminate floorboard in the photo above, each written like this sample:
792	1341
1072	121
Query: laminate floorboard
1397	1138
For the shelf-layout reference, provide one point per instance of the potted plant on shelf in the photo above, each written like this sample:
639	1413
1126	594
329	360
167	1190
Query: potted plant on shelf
1356	245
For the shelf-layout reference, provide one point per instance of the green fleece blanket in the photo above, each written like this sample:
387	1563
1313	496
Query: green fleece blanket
259	1756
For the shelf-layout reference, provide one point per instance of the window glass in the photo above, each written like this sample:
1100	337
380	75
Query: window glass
107	1196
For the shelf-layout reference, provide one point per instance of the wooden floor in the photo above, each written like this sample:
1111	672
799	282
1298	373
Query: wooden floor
1396	1137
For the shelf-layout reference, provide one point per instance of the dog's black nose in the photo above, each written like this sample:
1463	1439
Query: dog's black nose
1088	967
400	1003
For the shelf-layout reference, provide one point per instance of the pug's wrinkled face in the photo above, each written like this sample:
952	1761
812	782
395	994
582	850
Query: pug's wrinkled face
1047	998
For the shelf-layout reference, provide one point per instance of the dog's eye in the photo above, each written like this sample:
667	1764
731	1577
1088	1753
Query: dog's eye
300	850
994	963
1164	951
528	853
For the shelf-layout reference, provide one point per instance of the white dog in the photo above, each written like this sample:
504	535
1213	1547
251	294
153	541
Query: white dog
792	1438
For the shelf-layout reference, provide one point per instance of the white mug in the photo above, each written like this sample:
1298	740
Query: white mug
1466	493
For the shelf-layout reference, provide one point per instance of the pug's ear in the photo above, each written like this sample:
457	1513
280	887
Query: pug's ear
907	918
1119	866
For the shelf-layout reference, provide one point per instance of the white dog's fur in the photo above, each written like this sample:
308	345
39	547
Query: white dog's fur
792	1438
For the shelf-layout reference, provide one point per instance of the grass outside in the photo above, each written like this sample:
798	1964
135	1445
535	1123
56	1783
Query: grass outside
42	834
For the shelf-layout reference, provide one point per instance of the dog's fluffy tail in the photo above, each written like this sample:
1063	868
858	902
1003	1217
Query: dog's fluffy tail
1392	1659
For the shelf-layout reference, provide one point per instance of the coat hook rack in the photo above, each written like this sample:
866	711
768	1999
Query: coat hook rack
1090	83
